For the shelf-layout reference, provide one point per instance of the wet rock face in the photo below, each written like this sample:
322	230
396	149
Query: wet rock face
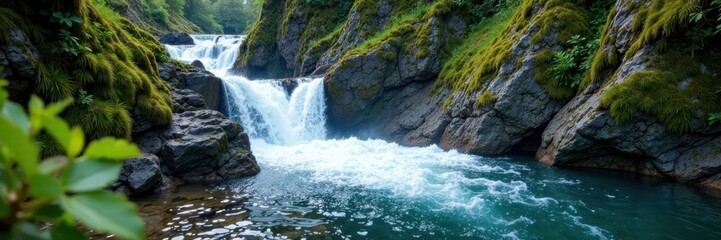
17	64
367	91
177	39
354	32
584	134
142	173
202	82
199	145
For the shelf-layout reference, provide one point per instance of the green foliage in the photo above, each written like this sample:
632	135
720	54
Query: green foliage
68	42
706	24
176	6
67	19
236	17
84	98
201	13
675	89
714	118
570	66
62	188
157	10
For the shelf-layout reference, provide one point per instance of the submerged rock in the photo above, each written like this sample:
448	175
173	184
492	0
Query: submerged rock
177	39
198	64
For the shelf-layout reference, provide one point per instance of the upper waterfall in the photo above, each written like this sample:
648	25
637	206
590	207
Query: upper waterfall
216	52
263	107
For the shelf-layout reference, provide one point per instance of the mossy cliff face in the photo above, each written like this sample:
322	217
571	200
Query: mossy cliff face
643	107
110	59
487	96
374	81
282	37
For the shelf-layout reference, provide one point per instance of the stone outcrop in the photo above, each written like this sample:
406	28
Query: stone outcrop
177	39
199	145
197	80
17	62
584	134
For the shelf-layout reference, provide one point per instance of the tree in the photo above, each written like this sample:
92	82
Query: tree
200	12
235	16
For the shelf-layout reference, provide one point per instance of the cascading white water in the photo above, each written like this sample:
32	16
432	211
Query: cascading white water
216	52
262	106
267	112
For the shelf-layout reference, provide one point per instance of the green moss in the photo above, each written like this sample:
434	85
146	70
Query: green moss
490	44
486	98
659	21
674	89
100	119
121	71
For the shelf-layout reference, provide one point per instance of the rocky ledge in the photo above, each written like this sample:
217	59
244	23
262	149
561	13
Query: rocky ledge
199	146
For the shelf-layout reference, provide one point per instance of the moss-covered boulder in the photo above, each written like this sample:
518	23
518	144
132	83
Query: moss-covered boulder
645	104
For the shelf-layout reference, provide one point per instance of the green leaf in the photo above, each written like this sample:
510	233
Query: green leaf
76	19
48	212
111	148
36	108
18	143
63	231
90	175
59	129
3	93
51	165
106	212
58	107
44	186
16	113
77	142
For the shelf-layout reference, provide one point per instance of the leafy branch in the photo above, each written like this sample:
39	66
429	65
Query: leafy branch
60	189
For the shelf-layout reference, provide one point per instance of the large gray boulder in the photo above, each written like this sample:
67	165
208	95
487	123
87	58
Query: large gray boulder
196	80
206	84
177	39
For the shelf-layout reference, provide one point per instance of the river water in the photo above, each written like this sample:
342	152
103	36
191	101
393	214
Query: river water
311	187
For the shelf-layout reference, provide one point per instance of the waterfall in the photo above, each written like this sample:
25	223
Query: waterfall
262	107
266	112
216	52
